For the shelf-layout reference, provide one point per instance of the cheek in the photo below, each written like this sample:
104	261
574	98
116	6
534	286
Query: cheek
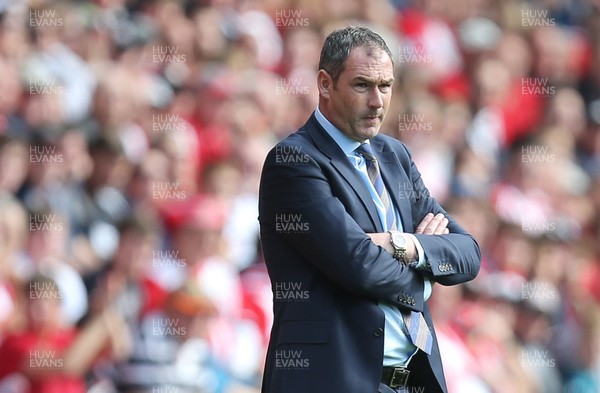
352	106
387	100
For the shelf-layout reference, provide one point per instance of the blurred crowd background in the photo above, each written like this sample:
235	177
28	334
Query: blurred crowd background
132	135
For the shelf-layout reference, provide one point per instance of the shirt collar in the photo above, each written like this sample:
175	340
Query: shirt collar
347	144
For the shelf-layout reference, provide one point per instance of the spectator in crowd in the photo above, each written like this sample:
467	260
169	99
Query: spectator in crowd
50	354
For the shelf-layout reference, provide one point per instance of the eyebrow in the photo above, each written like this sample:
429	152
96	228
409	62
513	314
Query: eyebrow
373	81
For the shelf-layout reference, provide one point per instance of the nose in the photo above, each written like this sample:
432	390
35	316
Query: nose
375	99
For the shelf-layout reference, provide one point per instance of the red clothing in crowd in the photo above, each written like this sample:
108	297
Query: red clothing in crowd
40	360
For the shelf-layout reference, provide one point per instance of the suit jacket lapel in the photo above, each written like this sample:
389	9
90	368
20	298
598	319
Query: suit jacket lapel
341	163
396	181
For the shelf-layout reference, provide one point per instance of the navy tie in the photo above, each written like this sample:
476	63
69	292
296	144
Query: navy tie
415	322
377	181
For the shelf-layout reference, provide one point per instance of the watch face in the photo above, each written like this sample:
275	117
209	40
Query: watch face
398	239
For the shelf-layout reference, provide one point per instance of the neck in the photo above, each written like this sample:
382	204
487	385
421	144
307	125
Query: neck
327	113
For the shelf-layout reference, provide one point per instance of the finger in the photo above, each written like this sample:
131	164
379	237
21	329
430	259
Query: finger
446	231
423	224
432	226
442	226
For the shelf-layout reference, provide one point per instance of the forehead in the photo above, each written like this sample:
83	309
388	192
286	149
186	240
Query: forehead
368	62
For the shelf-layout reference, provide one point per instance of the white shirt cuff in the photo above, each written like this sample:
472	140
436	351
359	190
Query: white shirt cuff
427	287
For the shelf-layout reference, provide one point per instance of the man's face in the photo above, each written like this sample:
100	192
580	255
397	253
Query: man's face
358	102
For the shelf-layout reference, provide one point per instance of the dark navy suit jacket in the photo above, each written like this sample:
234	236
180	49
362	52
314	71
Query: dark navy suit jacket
327	275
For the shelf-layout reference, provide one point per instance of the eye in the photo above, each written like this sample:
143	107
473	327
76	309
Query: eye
385	87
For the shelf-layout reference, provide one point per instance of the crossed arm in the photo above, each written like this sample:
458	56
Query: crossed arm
430	225
337	245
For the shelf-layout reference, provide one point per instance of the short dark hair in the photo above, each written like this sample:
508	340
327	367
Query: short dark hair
339	44
42	282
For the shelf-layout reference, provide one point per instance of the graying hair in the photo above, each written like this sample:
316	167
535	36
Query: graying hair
339	44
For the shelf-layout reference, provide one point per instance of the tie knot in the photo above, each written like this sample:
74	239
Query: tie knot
365	150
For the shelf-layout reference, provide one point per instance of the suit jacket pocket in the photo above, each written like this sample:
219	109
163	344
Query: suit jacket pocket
304	332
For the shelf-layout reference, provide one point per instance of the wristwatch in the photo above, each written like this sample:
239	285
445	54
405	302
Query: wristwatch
399	244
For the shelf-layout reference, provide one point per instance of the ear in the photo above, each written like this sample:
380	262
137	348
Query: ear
324	83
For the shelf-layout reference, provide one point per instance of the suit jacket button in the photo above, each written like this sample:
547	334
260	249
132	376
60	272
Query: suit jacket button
378	332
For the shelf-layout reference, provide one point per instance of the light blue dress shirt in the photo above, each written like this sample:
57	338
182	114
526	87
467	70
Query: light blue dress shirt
397	347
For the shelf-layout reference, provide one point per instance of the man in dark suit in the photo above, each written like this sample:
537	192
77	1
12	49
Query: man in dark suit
353	241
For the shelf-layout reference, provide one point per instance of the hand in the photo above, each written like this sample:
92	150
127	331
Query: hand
383	240
430	225
433	225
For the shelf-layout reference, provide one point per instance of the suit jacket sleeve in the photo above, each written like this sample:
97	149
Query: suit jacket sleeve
450	259
325	234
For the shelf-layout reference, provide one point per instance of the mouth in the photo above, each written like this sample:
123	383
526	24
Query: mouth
371	119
